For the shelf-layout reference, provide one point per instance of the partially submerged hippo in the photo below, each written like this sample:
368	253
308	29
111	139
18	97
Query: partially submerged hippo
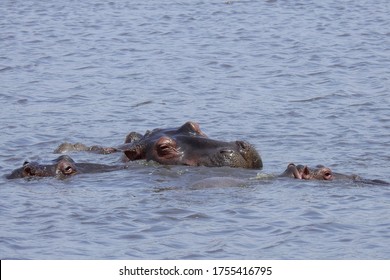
61	167
303	172
186	145
324	173
292	171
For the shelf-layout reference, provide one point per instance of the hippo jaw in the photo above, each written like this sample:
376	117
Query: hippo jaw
251	156
240	154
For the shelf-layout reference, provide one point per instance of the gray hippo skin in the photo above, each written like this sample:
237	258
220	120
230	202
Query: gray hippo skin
324	173
186	145
303	172
62	167
292	171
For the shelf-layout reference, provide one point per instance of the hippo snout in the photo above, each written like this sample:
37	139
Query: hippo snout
250	155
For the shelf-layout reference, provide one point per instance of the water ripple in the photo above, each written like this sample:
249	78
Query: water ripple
301	86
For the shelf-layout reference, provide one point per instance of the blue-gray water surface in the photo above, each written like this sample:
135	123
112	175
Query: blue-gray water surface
303	81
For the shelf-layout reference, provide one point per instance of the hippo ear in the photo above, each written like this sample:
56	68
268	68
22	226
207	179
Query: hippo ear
166	148
306	173
291	168
133	137
191	128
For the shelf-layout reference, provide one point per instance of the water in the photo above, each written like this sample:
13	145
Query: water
303	81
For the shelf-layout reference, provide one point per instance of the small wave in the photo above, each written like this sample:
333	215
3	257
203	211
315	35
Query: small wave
310	99
7	68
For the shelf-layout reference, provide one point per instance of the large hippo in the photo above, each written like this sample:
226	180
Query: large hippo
61	167
186	145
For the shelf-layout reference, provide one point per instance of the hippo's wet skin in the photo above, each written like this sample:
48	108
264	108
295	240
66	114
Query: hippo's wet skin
320	172
186	145
306	173
299	171
61	167
324	173
292	171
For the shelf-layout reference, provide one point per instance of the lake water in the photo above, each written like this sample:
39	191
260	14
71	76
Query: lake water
303	81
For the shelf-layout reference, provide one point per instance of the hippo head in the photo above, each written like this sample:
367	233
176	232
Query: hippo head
303	172
62	166
195	151
188	145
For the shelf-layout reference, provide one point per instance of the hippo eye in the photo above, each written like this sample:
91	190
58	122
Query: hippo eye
28	171
328	175
26	162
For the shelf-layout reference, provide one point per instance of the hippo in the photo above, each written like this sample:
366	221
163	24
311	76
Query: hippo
303	172
292	171
324	173
62	167
185	145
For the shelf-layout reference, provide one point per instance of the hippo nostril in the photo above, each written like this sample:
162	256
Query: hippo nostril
226	152
243	145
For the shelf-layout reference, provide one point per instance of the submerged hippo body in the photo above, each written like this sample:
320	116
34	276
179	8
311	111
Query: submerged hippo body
186	145
62	167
